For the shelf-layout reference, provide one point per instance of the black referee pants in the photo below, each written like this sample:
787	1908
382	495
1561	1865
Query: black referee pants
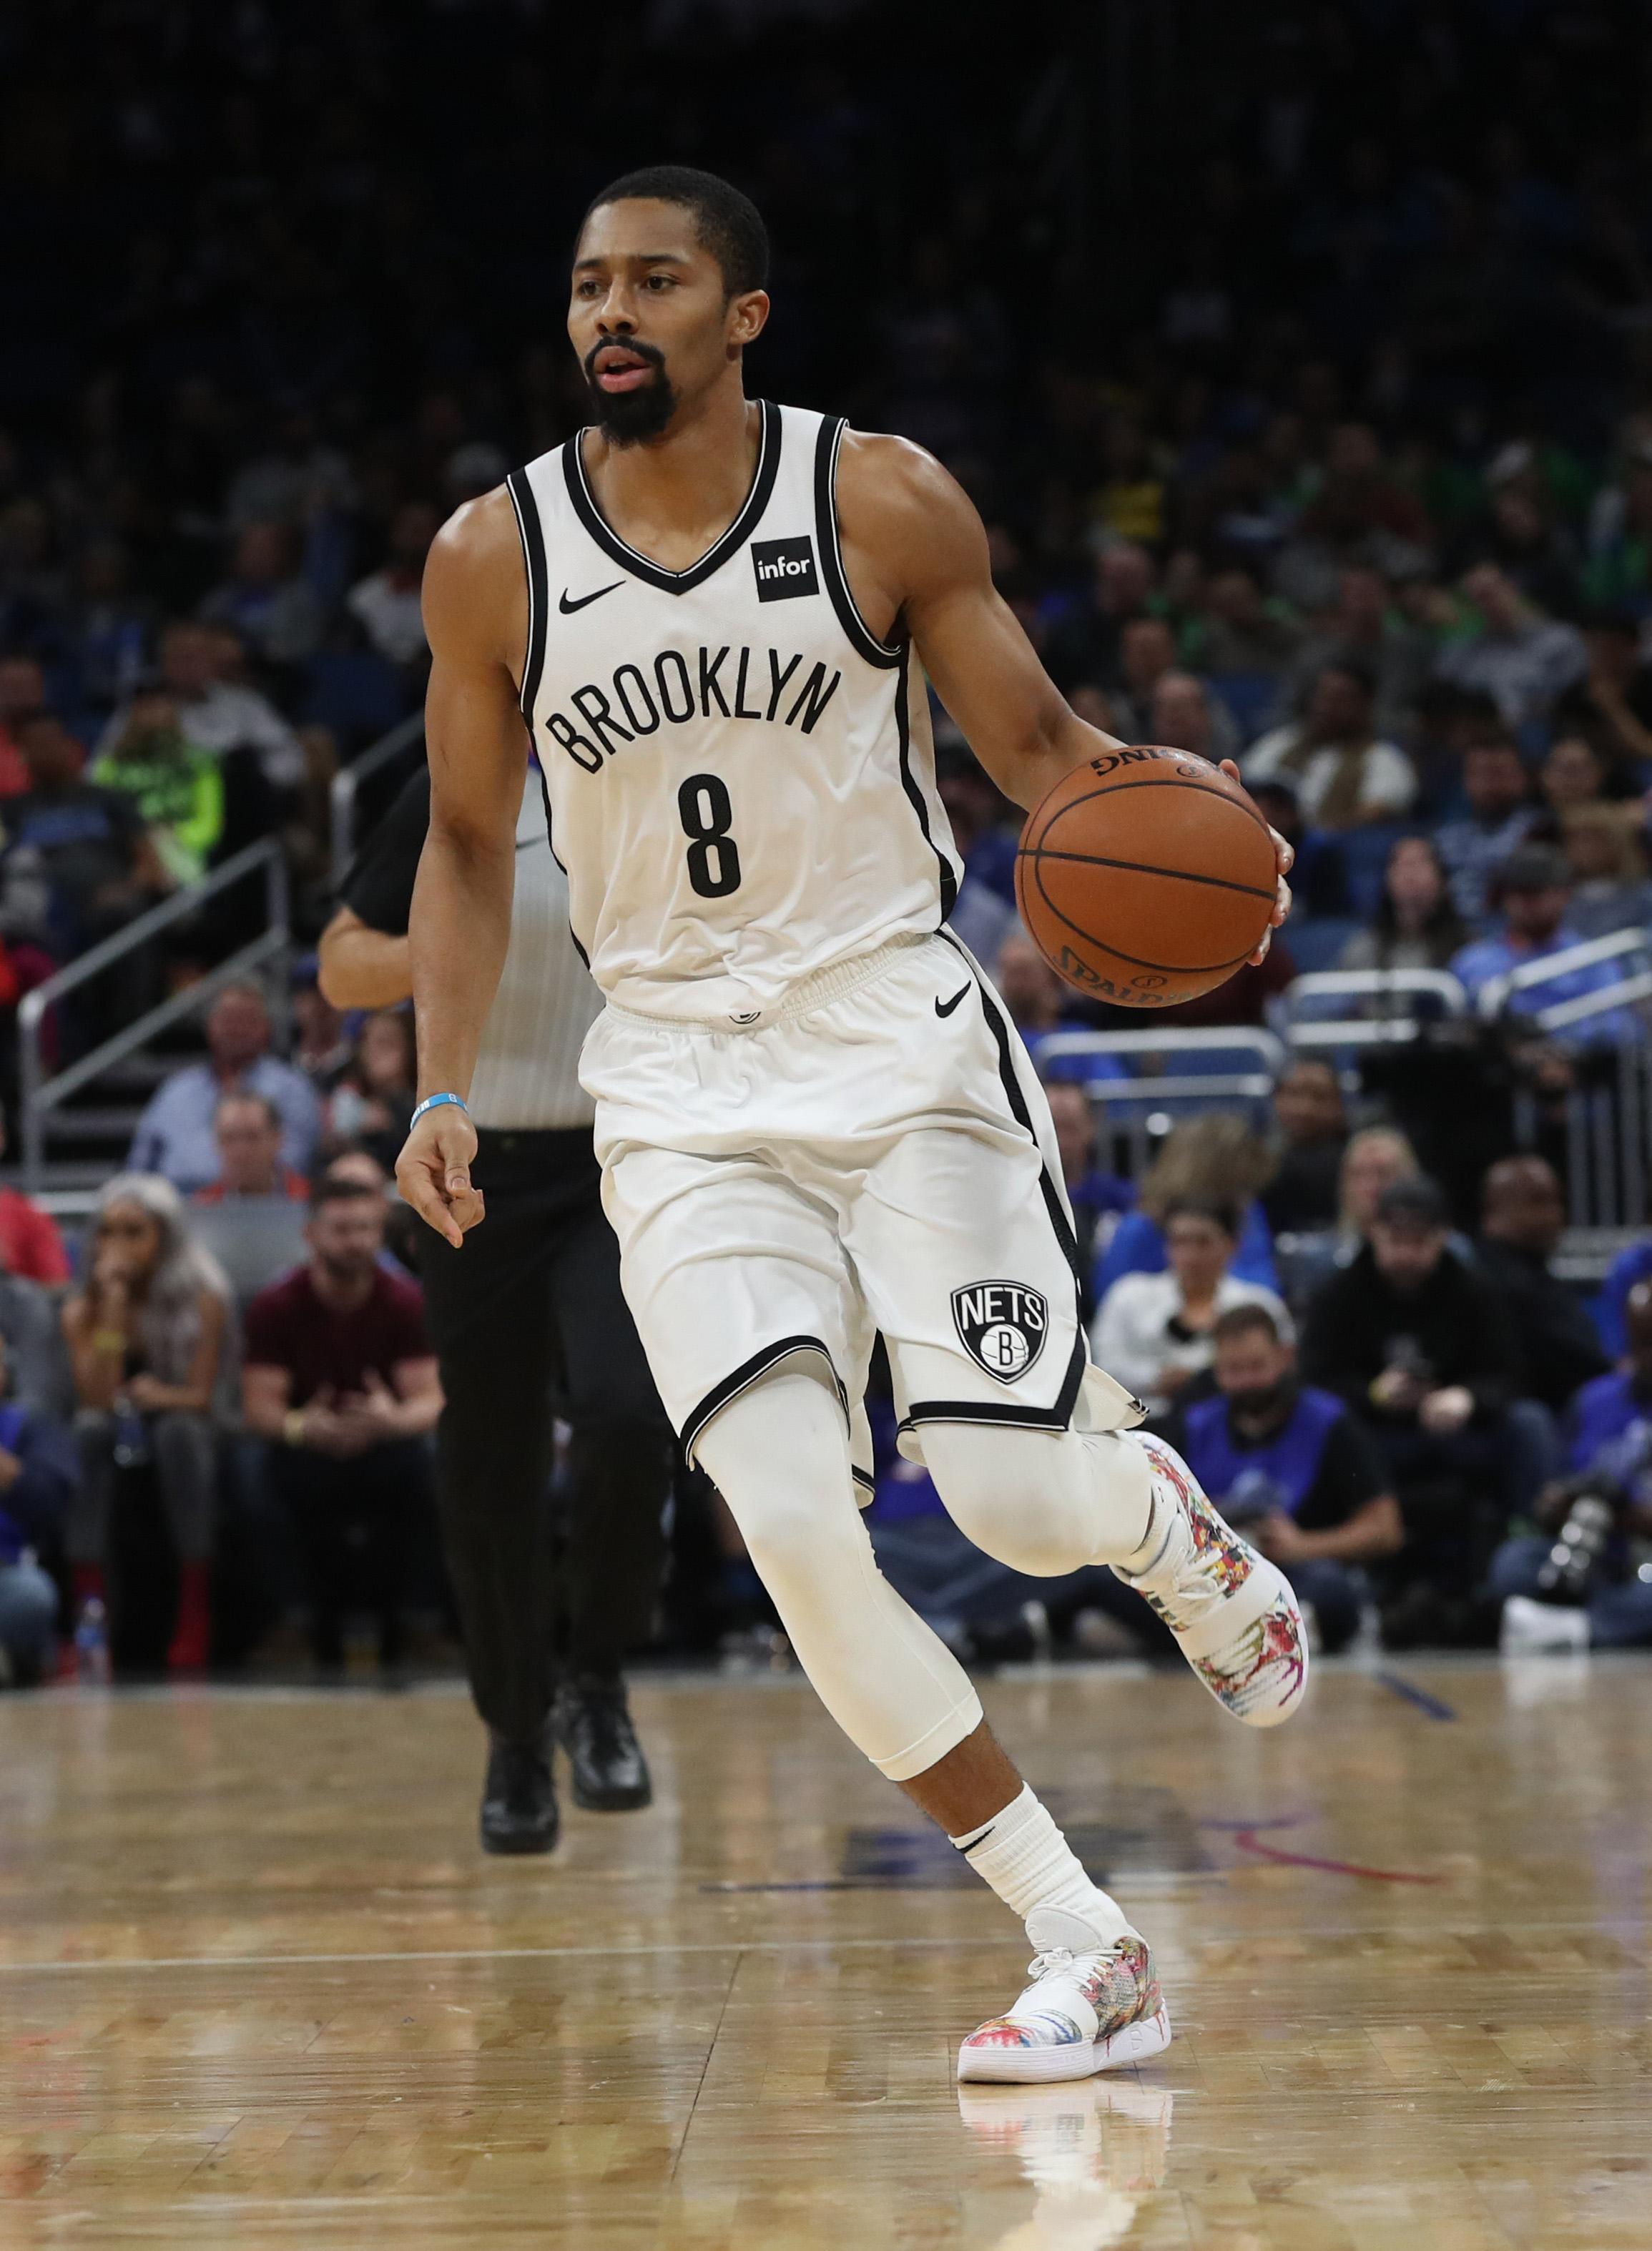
529	1323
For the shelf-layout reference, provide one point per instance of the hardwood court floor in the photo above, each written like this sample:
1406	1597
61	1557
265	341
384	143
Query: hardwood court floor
258	1988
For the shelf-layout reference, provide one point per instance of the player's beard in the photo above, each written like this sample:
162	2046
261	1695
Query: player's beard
629	418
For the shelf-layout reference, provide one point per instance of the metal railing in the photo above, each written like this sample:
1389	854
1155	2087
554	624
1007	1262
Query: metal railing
1138	1097
40	1094
1388	1025
346	788
1561	1015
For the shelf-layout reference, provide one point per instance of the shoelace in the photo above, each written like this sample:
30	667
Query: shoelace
1063	1957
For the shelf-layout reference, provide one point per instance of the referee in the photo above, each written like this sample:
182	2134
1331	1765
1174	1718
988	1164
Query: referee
528	1322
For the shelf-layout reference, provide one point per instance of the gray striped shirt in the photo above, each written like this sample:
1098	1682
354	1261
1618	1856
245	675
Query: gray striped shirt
528	1066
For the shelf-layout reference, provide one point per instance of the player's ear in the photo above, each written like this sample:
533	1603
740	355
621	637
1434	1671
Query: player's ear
747	317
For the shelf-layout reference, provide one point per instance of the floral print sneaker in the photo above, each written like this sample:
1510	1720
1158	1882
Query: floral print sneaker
1081	2013
1232	1612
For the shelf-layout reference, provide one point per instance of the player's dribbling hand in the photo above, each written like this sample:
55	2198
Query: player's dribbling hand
433	1172
1284	856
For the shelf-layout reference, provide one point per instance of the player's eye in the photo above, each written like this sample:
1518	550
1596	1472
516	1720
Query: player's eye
662	281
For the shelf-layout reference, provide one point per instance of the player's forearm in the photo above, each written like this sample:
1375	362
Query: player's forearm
458	933
363	968
1029	769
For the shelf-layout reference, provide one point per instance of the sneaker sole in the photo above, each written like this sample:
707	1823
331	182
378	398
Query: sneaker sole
613	1801
1022	2066
519	1842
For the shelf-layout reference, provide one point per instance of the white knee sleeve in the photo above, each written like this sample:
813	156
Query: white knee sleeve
1043	1501
778	1455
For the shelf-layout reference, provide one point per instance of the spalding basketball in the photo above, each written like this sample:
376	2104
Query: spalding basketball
1146	876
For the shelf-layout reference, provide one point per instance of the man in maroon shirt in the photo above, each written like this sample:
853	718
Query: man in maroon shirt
340	1378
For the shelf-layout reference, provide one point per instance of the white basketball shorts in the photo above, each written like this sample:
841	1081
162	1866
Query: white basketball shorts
875	1154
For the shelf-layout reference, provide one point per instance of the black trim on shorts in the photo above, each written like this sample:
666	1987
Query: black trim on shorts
643	566
532	535
886	654
1017	1102
991	1411
746	1375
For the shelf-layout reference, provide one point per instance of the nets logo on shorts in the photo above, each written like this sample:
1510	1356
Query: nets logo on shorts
785	568
1003	1324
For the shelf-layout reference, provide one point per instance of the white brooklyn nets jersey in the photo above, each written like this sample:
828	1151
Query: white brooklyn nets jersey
741	778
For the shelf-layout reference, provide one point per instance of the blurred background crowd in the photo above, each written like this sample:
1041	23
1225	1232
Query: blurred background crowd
1300	361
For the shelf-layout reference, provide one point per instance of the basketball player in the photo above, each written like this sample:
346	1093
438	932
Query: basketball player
812	1119
540	1311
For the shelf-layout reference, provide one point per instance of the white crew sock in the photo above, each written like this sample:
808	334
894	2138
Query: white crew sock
1030	1864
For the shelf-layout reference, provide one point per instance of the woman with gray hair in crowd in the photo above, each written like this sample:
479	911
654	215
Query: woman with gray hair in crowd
147	1332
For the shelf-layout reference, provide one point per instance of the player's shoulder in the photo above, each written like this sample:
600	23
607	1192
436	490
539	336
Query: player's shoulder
478	534
475	590
896	501
878	470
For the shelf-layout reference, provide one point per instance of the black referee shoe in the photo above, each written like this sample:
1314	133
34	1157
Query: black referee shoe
518	1799
590	1722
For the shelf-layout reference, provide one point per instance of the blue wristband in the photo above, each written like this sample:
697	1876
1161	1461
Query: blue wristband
436	1102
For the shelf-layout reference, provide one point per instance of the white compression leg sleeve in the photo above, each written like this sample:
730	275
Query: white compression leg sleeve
1043	1501
778	1455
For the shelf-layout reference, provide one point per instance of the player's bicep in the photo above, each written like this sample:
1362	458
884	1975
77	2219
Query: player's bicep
986	672
924	545
475	737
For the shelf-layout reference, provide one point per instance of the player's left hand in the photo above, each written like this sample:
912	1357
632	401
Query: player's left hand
1284	859
433	1172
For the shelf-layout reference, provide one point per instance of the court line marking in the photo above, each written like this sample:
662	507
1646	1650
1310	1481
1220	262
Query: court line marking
492	1954
1246	1841
1434	1705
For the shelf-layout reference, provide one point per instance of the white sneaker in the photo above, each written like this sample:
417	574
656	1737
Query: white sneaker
1232	1612
1081	2013
1529	1629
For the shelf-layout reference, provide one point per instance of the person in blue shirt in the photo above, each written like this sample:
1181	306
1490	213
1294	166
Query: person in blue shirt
1291	1464
1610	1308
38	1473
176	1136
1609	1451
1215	1159
1533	888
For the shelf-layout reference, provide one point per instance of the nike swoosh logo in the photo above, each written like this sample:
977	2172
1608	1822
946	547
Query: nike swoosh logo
946	1007
568	607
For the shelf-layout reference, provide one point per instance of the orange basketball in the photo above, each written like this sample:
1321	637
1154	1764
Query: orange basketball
1146	876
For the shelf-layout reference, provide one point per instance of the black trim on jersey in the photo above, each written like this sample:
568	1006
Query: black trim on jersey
551	844
863	1477
914	791
862	638
644	566
909	782
532	535
743	1378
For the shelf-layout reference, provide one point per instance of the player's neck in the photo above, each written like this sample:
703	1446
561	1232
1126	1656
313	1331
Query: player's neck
674	497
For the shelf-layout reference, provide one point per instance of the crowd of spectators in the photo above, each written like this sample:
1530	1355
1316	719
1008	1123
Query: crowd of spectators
1330	449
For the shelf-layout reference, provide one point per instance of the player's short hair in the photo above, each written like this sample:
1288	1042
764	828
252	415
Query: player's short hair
1246	1320
726	224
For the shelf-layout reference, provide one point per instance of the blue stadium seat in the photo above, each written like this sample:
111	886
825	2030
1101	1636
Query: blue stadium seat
1364	856
1316	941
357	693
1250	697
